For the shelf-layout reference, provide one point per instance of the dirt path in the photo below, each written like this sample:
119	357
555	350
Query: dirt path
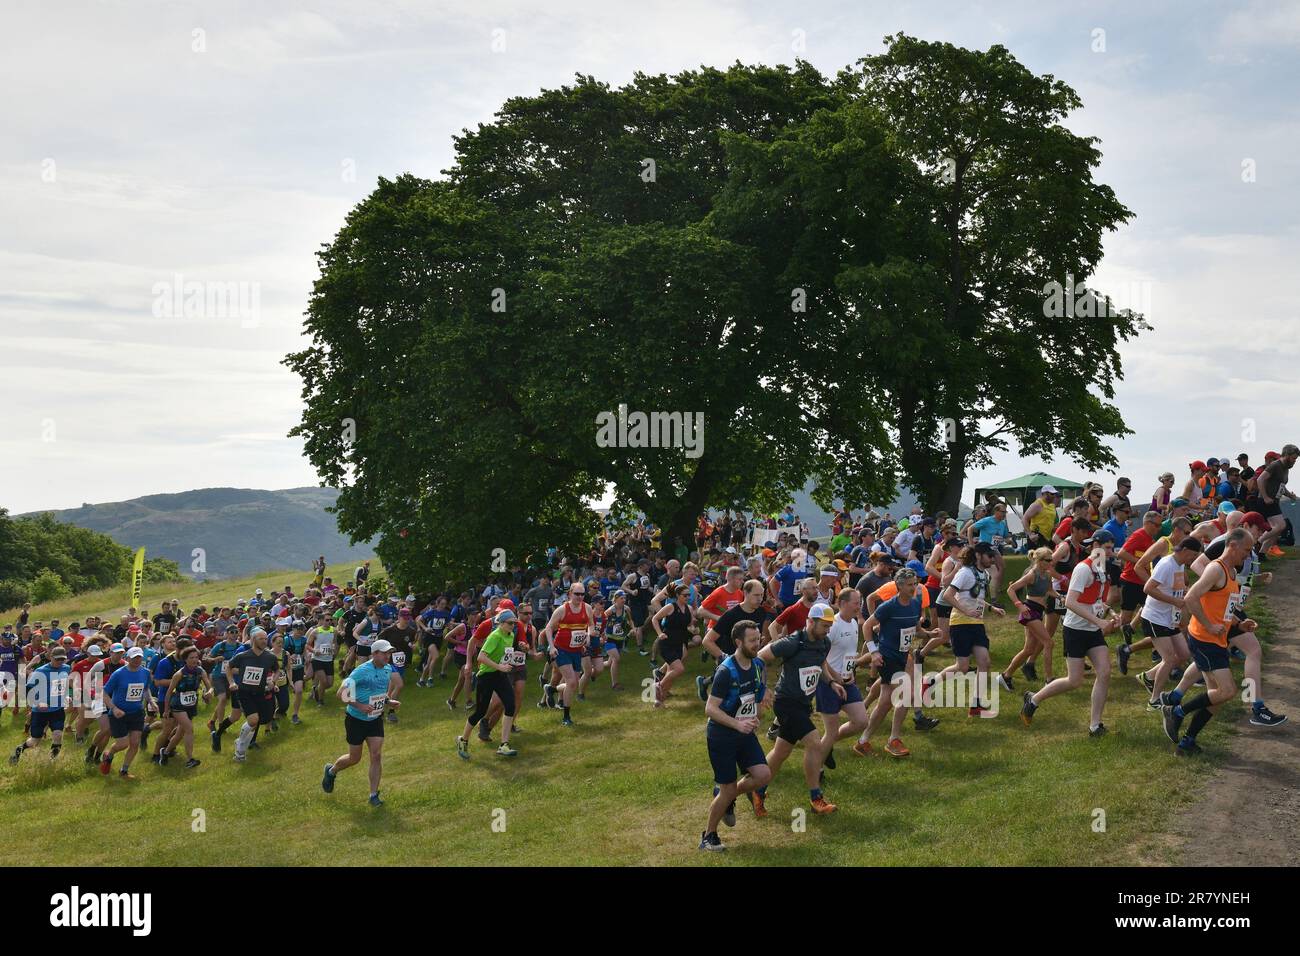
1249	812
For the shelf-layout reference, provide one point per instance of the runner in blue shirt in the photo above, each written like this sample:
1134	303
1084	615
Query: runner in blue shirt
129	692
47	696
366	690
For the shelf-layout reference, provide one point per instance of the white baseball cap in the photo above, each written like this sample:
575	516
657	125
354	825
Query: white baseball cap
134	652
821	611
1048	489
382	646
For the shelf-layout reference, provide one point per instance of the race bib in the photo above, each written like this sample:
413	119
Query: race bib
1245	593
979	607
848	673
997	541
905	639
189	698
251	675
399	658
616	629
748	707
1235	602
324	649
514	658
1099	609
808	677
377	702
135	693
58	685
1177	616
295	660
1057	586
578	639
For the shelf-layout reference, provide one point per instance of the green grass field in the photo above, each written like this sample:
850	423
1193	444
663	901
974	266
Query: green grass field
626	785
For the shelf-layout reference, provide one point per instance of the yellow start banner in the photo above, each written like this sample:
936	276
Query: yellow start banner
137	578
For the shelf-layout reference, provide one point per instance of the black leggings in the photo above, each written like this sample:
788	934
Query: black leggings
494	682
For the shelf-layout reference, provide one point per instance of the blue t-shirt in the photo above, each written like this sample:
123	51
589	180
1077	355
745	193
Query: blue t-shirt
1118	529
368	682
163	669
151	654
989	528
436	620
128	689
608	587
1225	490
788	577
735	694
47	688
894	619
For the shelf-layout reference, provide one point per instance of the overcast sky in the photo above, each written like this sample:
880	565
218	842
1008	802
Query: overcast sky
147	143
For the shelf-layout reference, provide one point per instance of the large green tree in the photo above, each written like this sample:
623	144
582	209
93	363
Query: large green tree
824	268
467	333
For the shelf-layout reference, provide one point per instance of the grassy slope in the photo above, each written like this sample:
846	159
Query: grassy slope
628	785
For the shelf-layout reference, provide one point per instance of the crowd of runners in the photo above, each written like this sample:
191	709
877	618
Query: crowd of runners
824	644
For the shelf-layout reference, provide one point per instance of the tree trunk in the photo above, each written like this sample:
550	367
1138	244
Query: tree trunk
954	480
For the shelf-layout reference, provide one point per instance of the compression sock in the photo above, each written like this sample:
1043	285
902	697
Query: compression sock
225	723
54	750
1200	702
566	713
1175	695
1198	724
1257	706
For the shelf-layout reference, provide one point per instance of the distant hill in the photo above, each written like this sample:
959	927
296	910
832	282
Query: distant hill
242	531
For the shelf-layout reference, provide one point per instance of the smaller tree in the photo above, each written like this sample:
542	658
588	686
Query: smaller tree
48	586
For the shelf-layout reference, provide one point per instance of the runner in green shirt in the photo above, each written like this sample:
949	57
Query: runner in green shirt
496	658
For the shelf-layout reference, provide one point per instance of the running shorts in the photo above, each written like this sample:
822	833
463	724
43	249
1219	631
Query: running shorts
119	727
322	667
357	730
1152	629
943	610
1131	595
894	664
795	717
1208	657
671	651
1032	612
967	637
1079	641
828	702
568	659
256	702
731	751
52	720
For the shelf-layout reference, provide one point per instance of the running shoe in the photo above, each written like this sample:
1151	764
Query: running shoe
505	750
484	732
830	760
1124	651
462	748
1098	731
1172	723
240	758
1146	680
1030	671
295	719
821	805
126	774
710	841
90	754
758	803
550	696
375	801
566	722
925	722
863	748
895	748
1155	657
451	704
192	763
1154	705
729	818
14	757
1027	709
105	765
774	731
702	689
644	653
1266	718
1006	684
1187	748
216	742
392	716
1166	698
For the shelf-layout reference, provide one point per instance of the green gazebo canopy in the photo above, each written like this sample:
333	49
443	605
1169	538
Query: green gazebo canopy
1020	491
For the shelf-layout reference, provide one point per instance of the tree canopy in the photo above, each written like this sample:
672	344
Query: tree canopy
823	268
